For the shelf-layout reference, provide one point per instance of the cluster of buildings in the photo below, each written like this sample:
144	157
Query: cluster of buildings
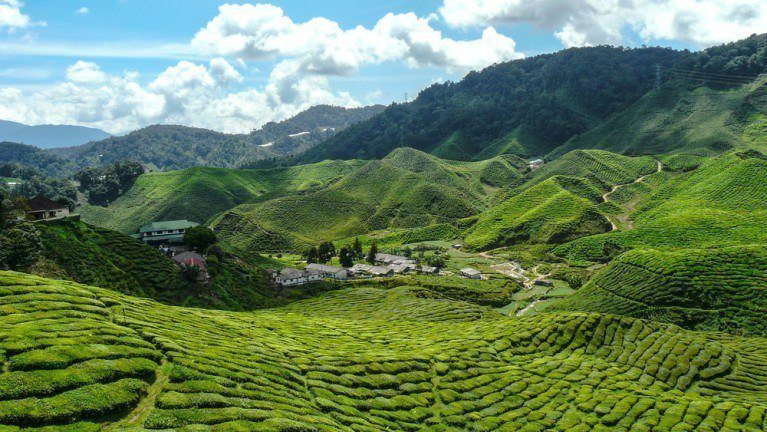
386	265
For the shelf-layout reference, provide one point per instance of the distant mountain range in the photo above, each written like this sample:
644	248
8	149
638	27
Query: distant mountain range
169	147
49	136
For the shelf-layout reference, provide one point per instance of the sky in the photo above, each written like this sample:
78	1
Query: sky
120	65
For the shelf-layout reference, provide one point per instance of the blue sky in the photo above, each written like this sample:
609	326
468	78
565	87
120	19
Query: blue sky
123	64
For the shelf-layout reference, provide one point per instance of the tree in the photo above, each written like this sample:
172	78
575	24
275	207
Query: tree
20	246
359	254
326	252
437	261
371	258
345	255
199	238
313	256
407	252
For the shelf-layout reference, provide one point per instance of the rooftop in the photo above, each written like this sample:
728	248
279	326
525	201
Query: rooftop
168	225
470	271
41	203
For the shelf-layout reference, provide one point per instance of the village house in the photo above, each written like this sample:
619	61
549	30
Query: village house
471	273
292	277
424	269
402	268
41	208
389	259
192	259
330	272
371	270
165	232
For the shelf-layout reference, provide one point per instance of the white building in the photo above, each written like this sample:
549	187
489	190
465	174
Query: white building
291	277
330	272
471	273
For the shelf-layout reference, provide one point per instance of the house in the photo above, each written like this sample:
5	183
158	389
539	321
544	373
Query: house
291	277
330	272
535	164
41	208
191	259
371	270
544	283
471	273
402	268
165	232
424	269
389	259
457	246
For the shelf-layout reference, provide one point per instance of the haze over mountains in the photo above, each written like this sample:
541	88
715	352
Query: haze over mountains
49	136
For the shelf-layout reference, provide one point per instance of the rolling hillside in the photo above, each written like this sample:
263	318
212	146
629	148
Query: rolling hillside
31	156
530	107
79	252
197	194
719	289
408	188
679	119
360	359
722	203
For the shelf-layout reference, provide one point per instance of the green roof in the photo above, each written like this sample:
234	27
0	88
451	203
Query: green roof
168	225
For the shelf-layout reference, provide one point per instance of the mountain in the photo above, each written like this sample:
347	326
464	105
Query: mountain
530	107
49	136
166	147
39	159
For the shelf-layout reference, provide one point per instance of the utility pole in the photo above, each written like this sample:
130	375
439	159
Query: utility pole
657	76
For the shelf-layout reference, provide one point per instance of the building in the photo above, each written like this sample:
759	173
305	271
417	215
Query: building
191	259
388	259
292	277
330	272
41	208
165	232
424	269
543	282
402	268
371	270
471	273
535	164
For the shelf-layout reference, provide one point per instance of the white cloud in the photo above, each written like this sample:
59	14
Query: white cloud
85	72
11	16
186	93
321	47
82	11
590	22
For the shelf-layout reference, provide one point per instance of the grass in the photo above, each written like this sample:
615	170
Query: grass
199	193
367	359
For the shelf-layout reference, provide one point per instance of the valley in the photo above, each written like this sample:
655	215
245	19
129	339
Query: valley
541	246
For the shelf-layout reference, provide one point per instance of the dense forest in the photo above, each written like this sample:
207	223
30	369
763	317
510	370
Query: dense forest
168	147
530	106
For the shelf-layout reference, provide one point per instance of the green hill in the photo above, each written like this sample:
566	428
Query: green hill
722	203
198	193
82	253
531	106
168	147
406	189
361	359
680	119
702	289
39	159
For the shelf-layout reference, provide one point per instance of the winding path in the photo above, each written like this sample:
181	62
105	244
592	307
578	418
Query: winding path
606	196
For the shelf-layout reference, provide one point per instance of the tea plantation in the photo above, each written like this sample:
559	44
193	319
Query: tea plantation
363	359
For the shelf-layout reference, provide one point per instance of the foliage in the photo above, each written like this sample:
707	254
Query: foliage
166	147
363	358
36	159
325	252
372	252
199	238
346	257
105	184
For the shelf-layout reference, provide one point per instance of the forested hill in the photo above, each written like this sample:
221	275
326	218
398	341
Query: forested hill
169	147
529	107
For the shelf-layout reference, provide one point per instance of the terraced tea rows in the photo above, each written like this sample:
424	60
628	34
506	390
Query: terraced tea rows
367	359
713	289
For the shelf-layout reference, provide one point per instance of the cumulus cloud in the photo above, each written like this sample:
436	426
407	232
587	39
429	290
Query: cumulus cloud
11	15
321	47
591	22
185	93
85	72
83	11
